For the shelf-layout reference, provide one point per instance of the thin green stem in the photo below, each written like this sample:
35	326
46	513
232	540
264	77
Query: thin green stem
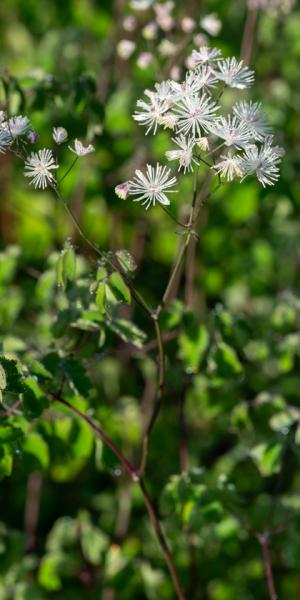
158	398
171	217
68	170
137	296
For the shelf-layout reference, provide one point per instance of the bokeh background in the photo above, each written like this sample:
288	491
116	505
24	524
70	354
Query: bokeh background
226	443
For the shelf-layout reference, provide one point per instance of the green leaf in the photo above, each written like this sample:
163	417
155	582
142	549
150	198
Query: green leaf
100	297
101	274
36	446
126	261
66	266
226	360
60	271
69	263
77	376
267	458
3	381
127	331
13	374
6	465
34	400
192	347
119	288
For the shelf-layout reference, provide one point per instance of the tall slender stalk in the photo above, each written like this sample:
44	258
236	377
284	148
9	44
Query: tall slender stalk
133	474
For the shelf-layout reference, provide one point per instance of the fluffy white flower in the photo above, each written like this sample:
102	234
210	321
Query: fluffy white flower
151	112
229	167
59	134
38	167
263	161
234	74
185	153
201	78
206	55
80	149
232	131
250	113
195	113
17	126
152	186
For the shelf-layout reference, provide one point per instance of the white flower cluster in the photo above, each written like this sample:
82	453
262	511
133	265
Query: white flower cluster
233	146
159	22
16	132
274	7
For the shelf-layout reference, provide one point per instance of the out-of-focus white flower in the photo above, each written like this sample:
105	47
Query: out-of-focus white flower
167	48
202	143
188	24
144	60
175	73
125	49
206	55
141	4
38	167
122	190
3	116
229	167
150	31
185	153
274	7
17	126
232	131
200	39
153	186
234	74
263	161
194	114
163	15
151	112
250	114
59	134
212	24
80	149
189	62
129	23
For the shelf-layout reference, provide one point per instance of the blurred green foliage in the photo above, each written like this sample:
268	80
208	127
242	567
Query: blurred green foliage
224	454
